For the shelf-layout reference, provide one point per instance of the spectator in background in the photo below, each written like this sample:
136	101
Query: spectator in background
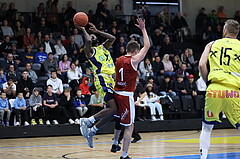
166	86
73	77
167	47
218	32
168	67
52	39
14	75
158	20
48	46
85	89
66	102
10	88
72	49
31	73
185	58
102	12
40	56
56	83
38	40
78	66
78	38
166	17
10	61
35	102
180	26
3	11
27	56
11	13
201	22
60	49
3	78
145	69
70	12
121	43
96	102
67	29
154	86
121	52
117	12
50	103
40	11
19	30
221	15
191	86
152	102
5	46
79	103
50	64
237	16
157	39
25	85
177	63
64	66
16	55
53	17
20	107
213	19
43	28
7	30
208	35
182	72
179	86
158	69
4	109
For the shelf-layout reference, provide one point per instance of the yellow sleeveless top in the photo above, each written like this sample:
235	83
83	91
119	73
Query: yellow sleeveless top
224	61
102	61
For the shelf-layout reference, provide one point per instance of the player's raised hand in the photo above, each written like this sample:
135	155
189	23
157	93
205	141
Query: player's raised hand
78	27
140	23
93	27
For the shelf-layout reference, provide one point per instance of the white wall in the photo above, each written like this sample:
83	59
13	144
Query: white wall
192	7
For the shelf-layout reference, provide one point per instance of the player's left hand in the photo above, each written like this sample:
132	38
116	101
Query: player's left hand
141	23
93	27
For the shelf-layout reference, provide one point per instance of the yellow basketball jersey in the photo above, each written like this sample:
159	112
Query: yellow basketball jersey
224	61
102	61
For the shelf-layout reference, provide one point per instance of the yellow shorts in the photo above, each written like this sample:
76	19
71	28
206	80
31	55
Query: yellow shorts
104	85
222	98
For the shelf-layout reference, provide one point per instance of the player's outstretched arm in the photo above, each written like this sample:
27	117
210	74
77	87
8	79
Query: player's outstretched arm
88	42
203	62
142	53
110	38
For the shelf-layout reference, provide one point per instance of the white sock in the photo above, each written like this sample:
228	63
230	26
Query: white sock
94	129
124	154
92	119
205	139
115	142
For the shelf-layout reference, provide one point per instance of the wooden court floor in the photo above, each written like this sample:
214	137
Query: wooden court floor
156	145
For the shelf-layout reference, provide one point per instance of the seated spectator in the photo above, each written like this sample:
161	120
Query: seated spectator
56	83
3	78
11	13
182	72
48	46
85	89
201	86
35	102
102	12
50	64
157	39
28	39
20	107
14	75
7	30
145	69
66	29
64	66
40	56
168	67
5	47
185	58
120	53
191	86
60	49
66	102
121	43
90	76
152	102
16	55
40	11
158	68
10	61
10	88
117	13
96	102
167	47
180	26
179	86
19	31
78	38
208	35
31	73
43	28
78	67
73	76
79	103
166	86
151	81
38	40
25	85
177	63
72	48
27	57
51	107
4	109
51	39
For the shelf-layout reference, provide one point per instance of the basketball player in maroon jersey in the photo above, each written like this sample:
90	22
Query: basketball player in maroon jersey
126	74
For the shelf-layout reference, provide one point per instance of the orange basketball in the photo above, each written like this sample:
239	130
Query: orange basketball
80	19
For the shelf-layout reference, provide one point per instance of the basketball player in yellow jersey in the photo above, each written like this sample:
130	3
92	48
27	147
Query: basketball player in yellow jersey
104	68
223	79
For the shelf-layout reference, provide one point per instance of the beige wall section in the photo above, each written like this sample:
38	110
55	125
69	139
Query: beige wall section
192	7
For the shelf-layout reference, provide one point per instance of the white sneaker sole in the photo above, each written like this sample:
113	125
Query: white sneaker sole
90	141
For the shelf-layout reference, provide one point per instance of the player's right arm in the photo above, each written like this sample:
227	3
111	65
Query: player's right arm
142	53
203	62
88	43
